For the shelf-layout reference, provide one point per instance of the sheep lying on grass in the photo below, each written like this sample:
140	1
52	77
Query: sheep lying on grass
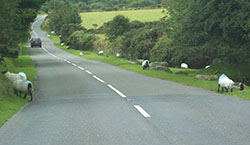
13	77
184	65
23	86
145	64
227	83
100	52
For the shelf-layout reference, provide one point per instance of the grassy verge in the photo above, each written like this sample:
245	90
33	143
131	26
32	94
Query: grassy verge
9	102
184	79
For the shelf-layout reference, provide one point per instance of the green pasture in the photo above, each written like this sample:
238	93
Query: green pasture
9	102
99	18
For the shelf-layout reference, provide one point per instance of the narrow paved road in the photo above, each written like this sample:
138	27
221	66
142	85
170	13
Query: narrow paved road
83	102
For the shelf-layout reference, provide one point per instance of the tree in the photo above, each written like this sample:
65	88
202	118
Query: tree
15	22
117	27
65	14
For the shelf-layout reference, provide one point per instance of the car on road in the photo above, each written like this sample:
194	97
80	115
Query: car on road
35	42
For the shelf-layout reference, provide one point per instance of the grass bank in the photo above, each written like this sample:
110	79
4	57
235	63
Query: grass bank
9	102
183	79
99	18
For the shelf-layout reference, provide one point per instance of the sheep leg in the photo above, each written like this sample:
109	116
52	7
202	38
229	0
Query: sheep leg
31	97
226	89
231	90
218	88
25	95
222	89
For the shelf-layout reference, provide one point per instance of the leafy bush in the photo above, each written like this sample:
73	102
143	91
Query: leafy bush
118	26
69	29
81	41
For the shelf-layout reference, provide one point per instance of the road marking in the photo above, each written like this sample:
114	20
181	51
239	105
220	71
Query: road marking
142	111
117	91
73	64
102	81
68	62
88	72
80	68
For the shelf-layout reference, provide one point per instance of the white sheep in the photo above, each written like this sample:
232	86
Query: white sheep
62	44
117	55
227	83
100	52
184	65
81	53
23	86
208	66
13	77
145	64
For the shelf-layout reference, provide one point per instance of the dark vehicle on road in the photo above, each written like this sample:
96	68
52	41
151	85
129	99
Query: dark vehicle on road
35	42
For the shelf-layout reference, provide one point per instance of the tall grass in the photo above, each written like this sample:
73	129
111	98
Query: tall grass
99	18
9	102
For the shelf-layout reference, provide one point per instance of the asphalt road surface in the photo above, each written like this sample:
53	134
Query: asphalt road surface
85	102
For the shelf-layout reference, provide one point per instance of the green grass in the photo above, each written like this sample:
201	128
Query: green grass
183	79
9	102
99	18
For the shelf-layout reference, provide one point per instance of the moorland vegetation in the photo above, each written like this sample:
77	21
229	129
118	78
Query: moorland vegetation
199	33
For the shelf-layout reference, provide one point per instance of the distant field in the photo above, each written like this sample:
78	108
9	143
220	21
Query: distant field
99	18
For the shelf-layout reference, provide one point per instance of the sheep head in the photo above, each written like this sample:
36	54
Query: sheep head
4	72
239	86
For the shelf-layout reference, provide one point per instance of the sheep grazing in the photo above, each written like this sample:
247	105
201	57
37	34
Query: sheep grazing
13	77
227	83
184	65
145	64
100	52
23	86
81	53
20	83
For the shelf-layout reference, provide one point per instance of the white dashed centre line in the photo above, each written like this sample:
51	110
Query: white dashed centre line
102	81
142	111
139	108
80	68
88	72
117	91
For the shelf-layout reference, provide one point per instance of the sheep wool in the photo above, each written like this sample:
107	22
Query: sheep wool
13	77
100	52
145	64
225	82
22	76
23	86
184	65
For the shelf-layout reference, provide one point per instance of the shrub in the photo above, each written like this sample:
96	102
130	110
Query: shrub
69	29
81	41
117	27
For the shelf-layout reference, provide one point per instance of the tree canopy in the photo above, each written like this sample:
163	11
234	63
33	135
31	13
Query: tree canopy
15	22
